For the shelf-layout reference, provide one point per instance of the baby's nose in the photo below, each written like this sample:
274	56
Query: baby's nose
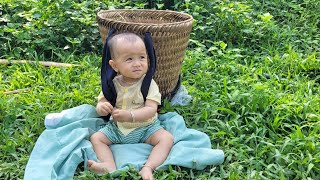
136	62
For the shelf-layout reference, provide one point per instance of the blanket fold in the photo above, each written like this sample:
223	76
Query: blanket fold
65	144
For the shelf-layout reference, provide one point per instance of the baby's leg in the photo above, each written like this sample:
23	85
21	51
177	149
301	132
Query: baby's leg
162	141
100	145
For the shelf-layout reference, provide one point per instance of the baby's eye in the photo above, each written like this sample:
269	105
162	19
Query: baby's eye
142	57
129	59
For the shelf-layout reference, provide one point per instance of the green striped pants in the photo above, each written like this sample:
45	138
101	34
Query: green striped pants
139	135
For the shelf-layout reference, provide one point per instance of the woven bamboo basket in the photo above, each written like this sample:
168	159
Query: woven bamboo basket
170	33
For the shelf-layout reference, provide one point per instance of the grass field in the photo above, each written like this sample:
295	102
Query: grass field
252	68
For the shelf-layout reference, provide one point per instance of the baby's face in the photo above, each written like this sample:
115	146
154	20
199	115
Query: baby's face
131	59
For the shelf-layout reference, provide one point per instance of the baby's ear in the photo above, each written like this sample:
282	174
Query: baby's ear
113	65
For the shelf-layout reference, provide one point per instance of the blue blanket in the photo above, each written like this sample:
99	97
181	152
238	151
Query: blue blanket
65	144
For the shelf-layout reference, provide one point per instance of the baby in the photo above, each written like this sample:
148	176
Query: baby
133	119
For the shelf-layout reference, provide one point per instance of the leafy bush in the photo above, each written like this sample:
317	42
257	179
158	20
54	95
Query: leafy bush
45	29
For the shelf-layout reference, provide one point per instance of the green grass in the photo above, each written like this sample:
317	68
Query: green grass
254	79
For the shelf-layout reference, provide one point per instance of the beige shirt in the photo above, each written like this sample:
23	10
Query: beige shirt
130	97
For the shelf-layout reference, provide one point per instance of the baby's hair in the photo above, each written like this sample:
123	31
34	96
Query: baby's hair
128	36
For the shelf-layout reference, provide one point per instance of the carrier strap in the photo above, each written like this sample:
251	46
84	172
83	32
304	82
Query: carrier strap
153	65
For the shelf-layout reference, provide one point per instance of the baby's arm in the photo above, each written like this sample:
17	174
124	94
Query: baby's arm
104	107
139	115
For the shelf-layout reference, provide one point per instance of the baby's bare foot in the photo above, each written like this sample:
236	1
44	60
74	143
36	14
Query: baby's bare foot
146	173
99	167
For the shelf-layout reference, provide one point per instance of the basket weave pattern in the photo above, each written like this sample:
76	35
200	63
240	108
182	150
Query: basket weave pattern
170	33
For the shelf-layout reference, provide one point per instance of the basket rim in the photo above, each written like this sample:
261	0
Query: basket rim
190	18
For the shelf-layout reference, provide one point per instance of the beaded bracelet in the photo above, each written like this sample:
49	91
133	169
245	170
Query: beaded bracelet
132	116
148	167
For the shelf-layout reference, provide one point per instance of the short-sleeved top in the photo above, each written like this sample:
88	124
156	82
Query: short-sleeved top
130	97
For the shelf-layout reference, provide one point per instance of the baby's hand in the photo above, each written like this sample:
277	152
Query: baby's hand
104	108
120	115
